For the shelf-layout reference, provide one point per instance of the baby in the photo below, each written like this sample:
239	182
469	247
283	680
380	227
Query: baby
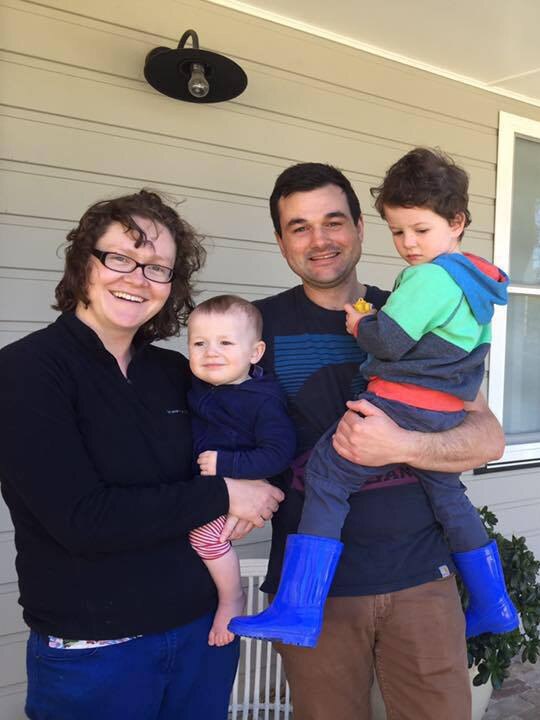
241	428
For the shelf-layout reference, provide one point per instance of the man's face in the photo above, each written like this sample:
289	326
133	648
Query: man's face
319	239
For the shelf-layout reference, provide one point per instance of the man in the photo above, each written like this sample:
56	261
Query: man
393	604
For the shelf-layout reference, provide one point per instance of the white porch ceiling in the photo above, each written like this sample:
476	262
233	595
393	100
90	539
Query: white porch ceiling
493	44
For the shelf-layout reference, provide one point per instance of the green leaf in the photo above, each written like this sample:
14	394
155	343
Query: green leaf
492	654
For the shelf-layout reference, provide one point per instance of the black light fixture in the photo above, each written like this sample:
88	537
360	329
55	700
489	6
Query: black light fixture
192	74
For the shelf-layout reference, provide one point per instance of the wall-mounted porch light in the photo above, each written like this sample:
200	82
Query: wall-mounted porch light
192	74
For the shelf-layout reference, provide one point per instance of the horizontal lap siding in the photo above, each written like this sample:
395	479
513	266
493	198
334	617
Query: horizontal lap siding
514	497
79	123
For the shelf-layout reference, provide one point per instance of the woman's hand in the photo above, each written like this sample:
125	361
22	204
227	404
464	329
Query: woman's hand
235	529
253	500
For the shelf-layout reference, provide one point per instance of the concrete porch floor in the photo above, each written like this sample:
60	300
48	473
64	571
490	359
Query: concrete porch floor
519	697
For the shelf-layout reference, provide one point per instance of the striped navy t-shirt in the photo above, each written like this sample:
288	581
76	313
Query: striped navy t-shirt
392	540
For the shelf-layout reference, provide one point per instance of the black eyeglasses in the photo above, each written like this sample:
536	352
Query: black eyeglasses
124	264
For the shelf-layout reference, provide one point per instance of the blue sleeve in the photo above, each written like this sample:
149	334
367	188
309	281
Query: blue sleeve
275	445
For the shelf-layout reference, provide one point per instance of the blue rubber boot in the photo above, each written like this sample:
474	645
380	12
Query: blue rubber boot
490	608
295	617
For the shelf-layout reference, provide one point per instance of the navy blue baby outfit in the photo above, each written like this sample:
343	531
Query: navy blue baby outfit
247	423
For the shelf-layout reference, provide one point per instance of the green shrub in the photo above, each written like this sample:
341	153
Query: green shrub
490	653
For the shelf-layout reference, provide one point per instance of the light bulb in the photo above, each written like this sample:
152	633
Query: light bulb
198	84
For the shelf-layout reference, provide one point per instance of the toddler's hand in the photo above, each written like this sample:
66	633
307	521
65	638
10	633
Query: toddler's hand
207	462
353	317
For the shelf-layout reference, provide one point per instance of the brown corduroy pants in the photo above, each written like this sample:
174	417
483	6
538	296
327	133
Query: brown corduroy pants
413	638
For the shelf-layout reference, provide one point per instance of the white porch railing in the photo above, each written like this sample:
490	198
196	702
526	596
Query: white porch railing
260	690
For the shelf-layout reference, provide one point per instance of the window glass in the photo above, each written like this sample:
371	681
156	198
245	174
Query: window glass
514	361
525	233
521	415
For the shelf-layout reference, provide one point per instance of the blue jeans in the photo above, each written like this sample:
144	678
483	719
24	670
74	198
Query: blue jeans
173	675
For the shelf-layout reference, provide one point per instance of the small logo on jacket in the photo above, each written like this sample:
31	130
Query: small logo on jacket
176	411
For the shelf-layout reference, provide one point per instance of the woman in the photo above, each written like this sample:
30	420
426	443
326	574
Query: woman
95	465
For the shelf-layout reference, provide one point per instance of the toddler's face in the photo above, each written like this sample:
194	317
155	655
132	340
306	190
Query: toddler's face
420	235
222	347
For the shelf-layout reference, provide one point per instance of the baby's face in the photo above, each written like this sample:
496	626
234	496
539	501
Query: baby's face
222	347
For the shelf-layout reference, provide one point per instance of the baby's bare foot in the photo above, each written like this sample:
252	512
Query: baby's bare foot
227	609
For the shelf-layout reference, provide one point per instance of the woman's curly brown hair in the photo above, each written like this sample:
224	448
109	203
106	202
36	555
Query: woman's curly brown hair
190	256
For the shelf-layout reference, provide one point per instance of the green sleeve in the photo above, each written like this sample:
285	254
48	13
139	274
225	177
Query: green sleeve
425	297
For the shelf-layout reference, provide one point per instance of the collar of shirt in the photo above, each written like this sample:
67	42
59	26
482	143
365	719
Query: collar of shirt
91	341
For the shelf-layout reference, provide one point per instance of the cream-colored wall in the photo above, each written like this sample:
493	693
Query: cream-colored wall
80	123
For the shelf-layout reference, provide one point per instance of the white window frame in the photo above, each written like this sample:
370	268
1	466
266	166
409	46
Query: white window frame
510	127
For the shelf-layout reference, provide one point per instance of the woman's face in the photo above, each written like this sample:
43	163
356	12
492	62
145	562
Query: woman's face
123	302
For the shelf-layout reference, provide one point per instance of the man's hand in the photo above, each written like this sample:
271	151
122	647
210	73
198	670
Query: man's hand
253	500
235	529
207	462
376	440
372	440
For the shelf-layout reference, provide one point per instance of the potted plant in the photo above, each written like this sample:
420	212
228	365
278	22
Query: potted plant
491	654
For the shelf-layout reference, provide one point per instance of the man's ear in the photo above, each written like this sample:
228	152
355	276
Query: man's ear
280	243
360	227
360	224
258	351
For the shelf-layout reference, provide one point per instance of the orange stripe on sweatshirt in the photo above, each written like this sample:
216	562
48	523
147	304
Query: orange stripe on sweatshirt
420	397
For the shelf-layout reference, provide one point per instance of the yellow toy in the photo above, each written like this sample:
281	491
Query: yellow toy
362	306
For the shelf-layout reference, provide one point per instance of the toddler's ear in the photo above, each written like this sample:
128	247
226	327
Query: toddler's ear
258	351
458	223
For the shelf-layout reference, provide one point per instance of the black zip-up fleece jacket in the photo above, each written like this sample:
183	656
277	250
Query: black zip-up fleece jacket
96	472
